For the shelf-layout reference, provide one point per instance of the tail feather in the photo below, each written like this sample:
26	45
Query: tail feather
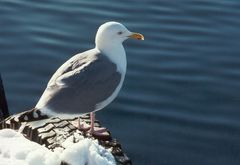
30	115
15	121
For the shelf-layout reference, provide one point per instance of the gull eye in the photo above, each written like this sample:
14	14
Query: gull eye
119	33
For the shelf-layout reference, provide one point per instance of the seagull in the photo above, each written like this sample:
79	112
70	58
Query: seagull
88	81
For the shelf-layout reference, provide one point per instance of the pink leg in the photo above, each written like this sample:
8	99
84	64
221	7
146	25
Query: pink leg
96	131
82	126
92	118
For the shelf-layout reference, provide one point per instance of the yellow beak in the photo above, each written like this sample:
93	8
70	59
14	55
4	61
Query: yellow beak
137	36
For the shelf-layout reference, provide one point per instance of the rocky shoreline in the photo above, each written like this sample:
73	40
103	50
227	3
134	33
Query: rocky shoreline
54	131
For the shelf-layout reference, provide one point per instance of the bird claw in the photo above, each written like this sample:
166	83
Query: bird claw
99	132
83	127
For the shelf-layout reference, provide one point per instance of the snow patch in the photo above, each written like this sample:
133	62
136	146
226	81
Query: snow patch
16	149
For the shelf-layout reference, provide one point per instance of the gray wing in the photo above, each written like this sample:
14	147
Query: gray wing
81	83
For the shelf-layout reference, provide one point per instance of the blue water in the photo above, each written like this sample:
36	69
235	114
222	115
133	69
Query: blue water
181	97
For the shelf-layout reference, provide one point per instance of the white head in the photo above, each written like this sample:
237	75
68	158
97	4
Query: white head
114	33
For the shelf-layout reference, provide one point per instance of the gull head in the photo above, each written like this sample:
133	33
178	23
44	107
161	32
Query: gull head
114	33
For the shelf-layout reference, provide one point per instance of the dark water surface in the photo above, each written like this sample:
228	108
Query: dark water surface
180	104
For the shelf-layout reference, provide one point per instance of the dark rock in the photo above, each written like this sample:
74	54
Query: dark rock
4	113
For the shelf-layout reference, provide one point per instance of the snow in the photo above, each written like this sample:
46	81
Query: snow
16	149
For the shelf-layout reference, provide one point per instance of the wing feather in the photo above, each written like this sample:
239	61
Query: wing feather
81	83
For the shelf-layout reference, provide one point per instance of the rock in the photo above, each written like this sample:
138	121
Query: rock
54	131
